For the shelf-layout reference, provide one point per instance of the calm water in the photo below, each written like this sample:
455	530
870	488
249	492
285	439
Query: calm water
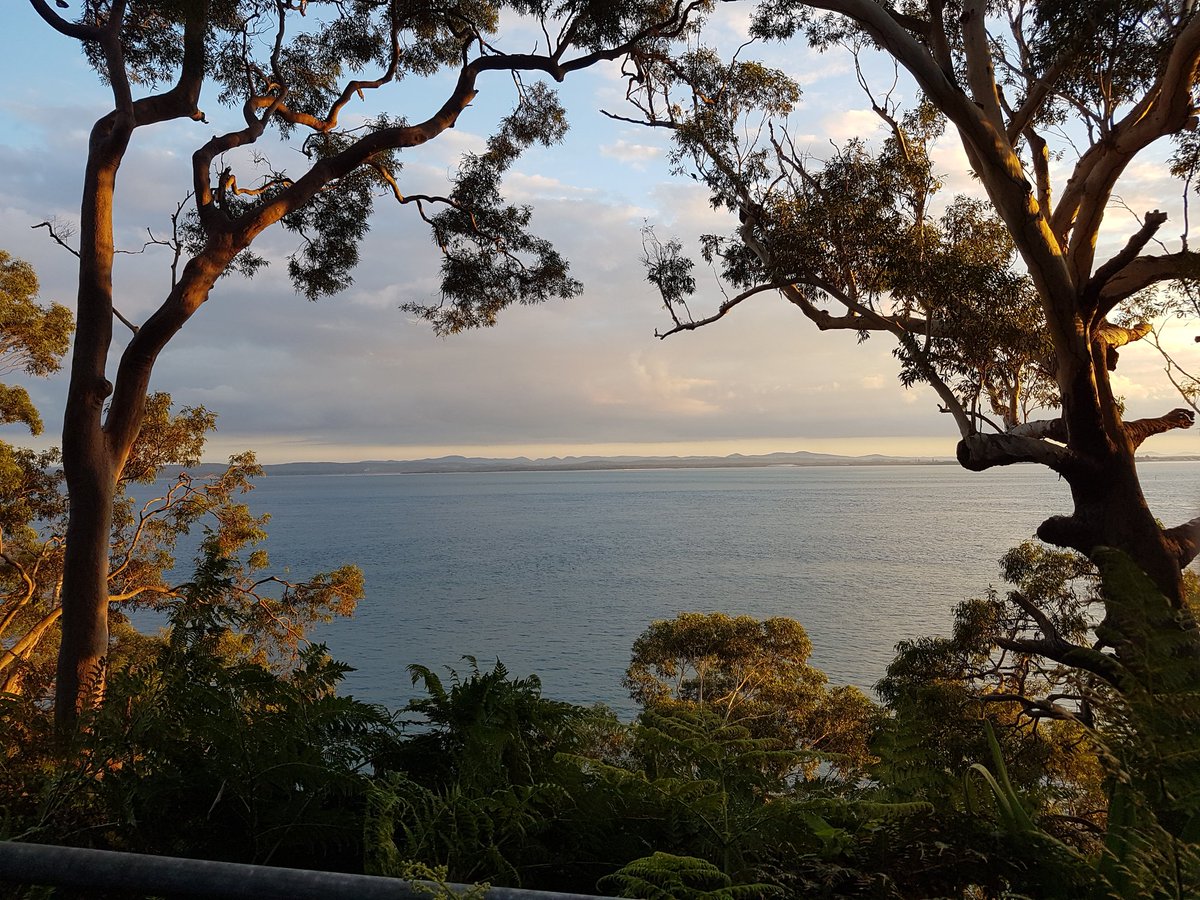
557	573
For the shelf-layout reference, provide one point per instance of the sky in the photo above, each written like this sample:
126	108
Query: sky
354	377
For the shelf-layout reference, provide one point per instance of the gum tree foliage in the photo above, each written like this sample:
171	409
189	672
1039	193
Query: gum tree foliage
941	690
33	339
1102	768
273	614
751	673
293	69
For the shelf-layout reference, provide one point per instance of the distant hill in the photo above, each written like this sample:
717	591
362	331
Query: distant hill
452	464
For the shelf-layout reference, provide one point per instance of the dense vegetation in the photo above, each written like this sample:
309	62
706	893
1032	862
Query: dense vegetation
722	786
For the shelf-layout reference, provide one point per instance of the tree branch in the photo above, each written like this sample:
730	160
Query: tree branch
1091	293
978	452
1040	156
58	239
1054	429
1186	539
1069	531
352	88
1140	429
75	30
1165	108
1035	709
145	589
1119	335
1142	272
1099	664
227	236
981	75
722	310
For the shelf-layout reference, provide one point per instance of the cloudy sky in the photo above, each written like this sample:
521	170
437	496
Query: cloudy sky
354	377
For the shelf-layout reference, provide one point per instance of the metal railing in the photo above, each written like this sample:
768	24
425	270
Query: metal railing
97	870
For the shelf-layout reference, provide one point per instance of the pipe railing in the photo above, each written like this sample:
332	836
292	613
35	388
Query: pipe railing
96	870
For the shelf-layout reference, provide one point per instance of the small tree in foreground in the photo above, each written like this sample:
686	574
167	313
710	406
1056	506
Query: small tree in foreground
200	751
293	69
751	673
275	614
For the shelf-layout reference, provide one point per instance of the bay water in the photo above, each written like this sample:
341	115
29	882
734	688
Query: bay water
556	573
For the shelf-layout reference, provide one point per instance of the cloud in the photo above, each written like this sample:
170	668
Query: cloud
951	166
635	154
1124	386
521	186
652	386
297	379
841	126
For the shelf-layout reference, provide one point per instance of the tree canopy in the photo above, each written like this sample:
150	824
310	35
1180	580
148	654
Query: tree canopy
33	338
751	673
273	613
1002	305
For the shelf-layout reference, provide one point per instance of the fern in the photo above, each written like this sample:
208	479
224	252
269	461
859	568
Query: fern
663	876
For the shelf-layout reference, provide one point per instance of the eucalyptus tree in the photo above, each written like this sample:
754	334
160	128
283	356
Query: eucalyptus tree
1003	305
33	339
986	299
752	673
294	68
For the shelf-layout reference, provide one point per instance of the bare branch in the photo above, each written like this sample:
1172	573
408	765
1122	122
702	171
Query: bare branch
1186	539
648	123
60	239
978	452
722	310
75	30
1187	384
1091	293
1140	429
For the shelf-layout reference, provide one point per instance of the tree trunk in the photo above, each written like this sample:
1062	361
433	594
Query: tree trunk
90	464
1110	510
1108	498
84	646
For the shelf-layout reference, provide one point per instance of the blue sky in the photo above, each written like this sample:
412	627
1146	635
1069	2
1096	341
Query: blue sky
354	377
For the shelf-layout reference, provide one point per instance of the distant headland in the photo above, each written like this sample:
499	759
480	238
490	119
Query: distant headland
460	464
